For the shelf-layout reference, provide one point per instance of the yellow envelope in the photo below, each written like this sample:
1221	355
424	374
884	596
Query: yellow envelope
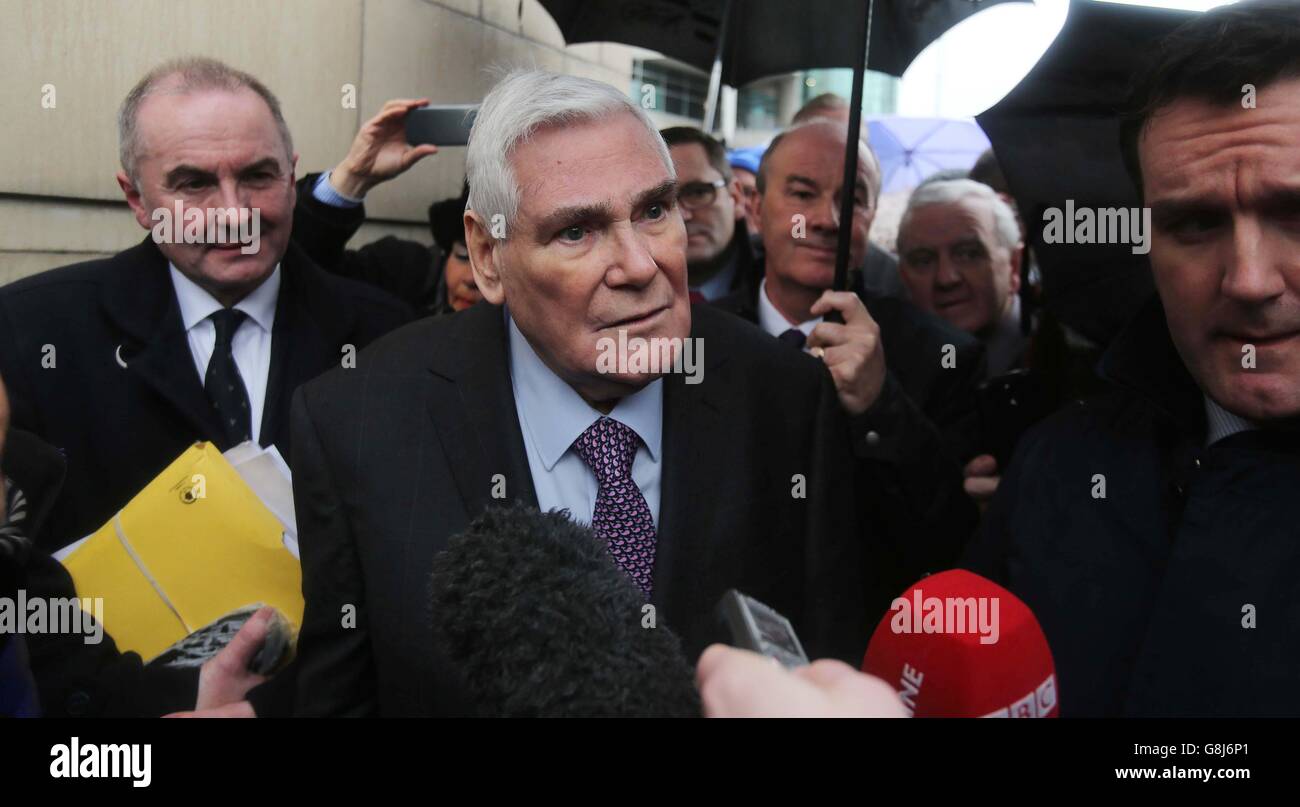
191	547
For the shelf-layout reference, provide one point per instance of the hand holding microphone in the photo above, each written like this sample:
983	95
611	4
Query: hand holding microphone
739	683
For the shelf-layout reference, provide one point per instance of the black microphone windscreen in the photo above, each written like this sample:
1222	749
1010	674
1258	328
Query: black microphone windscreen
540	621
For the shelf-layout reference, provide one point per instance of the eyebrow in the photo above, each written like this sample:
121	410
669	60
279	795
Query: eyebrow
1165	211
603	212
186	171
858	184
261	165
964	241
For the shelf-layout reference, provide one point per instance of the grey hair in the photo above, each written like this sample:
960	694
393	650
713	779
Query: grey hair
946	192
192	74
866	154
519	105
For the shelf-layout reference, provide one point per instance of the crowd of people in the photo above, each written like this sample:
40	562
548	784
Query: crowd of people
838	446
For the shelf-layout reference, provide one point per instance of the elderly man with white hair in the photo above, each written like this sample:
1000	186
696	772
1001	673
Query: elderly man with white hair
959	249
740	472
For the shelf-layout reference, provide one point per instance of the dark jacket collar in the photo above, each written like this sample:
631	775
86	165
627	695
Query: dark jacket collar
1143	360
313	318
479	429
139	295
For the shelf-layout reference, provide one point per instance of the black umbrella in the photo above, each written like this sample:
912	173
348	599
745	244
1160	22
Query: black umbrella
1056	136
765	37
741	40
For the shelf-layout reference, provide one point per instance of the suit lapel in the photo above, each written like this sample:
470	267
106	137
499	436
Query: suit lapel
311	326
475	416
693	426
141	301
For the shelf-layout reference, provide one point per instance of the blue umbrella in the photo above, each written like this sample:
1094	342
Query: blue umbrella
911	149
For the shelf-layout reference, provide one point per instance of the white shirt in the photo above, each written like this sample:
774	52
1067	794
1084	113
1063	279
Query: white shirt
552	415
774	322
251	342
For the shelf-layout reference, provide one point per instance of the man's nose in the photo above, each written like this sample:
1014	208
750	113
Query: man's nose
631	263
824	215
946	276
228	194
1253	272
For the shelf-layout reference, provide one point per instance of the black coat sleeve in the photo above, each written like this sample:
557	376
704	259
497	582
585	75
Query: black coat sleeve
408	270
912	486
79	679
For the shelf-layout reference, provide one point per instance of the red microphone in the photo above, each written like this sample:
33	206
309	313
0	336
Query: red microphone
959	645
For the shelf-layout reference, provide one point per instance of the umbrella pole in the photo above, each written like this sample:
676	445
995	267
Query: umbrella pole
848	188
715	75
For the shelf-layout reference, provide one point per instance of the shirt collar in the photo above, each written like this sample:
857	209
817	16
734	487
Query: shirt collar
1221	423
197	305
554	414
773	321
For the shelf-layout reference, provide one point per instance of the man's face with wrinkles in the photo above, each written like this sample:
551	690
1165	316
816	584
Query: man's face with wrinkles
598	246
1223	185
214	149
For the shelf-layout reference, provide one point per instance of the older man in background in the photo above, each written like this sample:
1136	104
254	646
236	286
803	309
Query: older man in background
959	249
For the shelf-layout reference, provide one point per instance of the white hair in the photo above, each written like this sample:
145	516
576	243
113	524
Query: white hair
946	192
520	104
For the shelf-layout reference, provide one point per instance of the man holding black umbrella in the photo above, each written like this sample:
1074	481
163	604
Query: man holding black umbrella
1152	530
927	407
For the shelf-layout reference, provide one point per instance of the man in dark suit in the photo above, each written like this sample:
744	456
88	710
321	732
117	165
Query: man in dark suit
123	363
1152	529
744	470
925	419
719	255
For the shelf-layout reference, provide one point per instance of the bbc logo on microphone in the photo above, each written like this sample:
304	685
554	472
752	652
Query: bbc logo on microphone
1038	703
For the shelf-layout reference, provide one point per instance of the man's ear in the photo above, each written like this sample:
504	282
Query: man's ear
482	258
143	216
737	196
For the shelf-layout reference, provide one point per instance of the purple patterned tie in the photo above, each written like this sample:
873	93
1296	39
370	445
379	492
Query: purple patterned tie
621	516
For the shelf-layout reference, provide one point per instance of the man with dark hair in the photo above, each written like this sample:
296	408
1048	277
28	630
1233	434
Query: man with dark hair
1152	530
719	258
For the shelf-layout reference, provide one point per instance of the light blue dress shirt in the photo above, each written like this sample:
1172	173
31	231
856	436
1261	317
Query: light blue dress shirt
552	415
324	191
